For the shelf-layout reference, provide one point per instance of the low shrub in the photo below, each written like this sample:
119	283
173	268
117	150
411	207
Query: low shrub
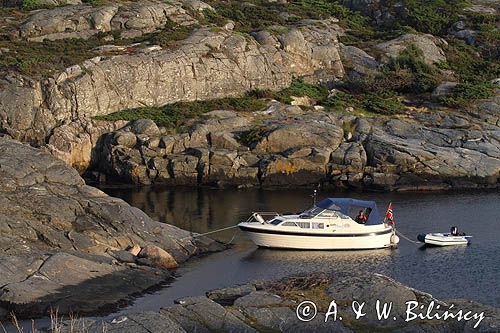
424	77
465	93
177	114
253	135
299	88
470	63
28	5
386	103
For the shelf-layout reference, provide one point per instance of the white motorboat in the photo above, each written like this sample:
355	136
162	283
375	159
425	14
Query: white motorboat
328	225
444	239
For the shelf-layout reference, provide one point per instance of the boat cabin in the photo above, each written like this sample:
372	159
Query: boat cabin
340	211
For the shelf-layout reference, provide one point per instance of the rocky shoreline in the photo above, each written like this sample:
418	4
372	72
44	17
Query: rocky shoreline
69	246
148	55
424	149
270	306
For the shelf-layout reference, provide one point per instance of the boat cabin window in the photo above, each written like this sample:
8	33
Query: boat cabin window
318	225
276	221
289	224
304	225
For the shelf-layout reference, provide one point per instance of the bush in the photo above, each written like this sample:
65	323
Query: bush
424	78
176	115
34	4
408	73
299	88
470	63
340	101
385	103
260	14
375	103
248	138
466	93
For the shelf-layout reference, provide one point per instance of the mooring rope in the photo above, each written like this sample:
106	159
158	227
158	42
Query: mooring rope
232	239
408	239
212	232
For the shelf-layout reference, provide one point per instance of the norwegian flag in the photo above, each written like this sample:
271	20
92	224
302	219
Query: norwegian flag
389	215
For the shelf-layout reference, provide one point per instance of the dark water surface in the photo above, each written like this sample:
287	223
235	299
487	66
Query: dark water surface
471	272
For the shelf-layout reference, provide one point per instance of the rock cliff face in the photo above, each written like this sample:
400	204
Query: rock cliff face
422	150
62	242
211	63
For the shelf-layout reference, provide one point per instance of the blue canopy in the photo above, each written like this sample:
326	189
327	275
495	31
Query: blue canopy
344	205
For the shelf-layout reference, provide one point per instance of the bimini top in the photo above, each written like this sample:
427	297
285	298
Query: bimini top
346	205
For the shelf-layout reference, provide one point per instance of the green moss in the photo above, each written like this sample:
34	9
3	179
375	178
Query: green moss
465	93
298	88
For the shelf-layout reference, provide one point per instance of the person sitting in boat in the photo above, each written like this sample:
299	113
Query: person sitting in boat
454	231
361	218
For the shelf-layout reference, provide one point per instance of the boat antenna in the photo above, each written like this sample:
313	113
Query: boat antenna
315	192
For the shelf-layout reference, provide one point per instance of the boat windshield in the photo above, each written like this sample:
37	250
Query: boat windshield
312	212
323	213
333	213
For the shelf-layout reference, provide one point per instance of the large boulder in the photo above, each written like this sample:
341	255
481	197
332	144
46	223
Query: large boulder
427	43
158	256
301	134
357	62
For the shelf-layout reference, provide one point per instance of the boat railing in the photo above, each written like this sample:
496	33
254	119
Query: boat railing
263	215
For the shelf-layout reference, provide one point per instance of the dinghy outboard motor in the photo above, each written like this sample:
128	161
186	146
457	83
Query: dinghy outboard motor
259	218
421	238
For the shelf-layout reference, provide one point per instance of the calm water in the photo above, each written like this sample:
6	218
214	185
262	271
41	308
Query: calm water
456	272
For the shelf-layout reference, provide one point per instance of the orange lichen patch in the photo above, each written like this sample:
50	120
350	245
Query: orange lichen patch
285	167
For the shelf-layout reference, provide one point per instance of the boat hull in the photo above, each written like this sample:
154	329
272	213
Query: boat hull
441	240
305	241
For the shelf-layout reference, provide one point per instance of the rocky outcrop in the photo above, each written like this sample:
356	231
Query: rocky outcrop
357	62
272	306
425	149
82	21
212	63
427	43
76	142
62	243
